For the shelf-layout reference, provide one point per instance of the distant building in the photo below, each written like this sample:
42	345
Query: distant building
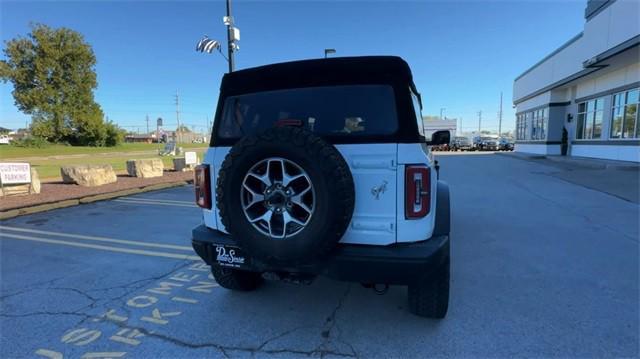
582	99
139	138
432	124
19	134
185	137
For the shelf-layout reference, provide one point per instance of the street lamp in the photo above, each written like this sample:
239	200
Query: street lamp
441	111
233	35
329	51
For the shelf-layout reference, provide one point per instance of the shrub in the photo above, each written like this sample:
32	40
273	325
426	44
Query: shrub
31	142
114	134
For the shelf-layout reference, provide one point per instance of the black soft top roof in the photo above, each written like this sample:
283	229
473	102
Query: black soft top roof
336	71
319	72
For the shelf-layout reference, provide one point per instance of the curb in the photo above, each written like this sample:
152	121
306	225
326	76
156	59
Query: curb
577	162
87	199
518	156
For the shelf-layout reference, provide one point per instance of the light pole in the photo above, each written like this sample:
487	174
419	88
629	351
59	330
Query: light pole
233	33
441	111
233	36
329	51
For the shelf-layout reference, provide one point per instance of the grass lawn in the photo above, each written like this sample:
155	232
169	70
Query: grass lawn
49	169
9	151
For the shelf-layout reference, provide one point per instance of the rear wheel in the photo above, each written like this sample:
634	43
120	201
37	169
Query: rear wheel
236	279
430	297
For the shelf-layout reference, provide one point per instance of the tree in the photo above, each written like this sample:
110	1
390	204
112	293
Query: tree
52	71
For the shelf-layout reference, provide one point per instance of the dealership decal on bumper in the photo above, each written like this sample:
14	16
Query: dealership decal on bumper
229	257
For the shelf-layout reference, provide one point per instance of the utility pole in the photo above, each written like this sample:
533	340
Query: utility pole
479	121
178	129
500	117
147	124
230	44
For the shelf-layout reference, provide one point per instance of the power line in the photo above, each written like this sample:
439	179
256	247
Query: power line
500	115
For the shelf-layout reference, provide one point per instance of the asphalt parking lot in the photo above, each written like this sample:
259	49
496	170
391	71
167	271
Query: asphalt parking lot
540	267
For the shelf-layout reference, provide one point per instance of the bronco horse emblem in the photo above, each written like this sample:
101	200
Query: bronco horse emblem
377	190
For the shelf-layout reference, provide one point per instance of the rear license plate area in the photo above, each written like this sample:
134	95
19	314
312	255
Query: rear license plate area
229	256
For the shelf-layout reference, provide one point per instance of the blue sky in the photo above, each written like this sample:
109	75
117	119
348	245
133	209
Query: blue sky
462	53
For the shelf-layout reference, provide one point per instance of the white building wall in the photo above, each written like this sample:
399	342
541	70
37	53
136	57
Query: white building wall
540	100
537	149
621	77
621	153
611	27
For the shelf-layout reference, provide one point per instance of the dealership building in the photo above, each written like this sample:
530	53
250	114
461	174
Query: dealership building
582	99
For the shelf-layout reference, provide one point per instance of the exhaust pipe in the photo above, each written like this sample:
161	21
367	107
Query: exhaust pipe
378	288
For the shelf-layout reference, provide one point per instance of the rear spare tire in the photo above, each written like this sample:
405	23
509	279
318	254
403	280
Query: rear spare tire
285	196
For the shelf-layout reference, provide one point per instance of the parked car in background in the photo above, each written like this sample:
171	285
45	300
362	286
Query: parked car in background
4	140
442	147
506	144
486	143
461	144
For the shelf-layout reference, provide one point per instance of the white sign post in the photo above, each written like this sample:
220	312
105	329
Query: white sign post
14	173
190	158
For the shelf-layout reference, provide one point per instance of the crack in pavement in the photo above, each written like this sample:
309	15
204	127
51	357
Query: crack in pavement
183	263
139	284
331	323
33	286
33	314
224	349
322	350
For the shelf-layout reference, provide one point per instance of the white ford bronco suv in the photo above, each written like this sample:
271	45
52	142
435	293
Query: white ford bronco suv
321	167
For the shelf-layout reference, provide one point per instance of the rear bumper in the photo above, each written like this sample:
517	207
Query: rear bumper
393	264
400	263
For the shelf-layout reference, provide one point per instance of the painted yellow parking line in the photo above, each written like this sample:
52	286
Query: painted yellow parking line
92	238
153	203
101	247
156	200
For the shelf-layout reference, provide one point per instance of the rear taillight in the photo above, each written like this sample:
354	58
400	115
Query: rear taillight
417	189
203	187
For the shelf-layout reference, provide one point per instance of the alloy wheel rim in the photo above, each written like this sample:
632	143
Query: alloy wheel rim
277	197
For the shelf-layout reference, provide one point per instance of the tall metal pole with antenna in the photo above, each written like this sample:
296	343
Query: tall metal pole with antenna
230	44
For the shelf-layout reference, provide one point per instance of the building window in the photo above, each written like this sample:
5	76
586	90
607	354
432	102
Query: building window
590	115
520	127
624	119
532	125
539	124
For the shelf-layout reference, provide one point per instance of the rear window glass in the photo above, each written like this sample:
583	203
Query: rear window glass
354	110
